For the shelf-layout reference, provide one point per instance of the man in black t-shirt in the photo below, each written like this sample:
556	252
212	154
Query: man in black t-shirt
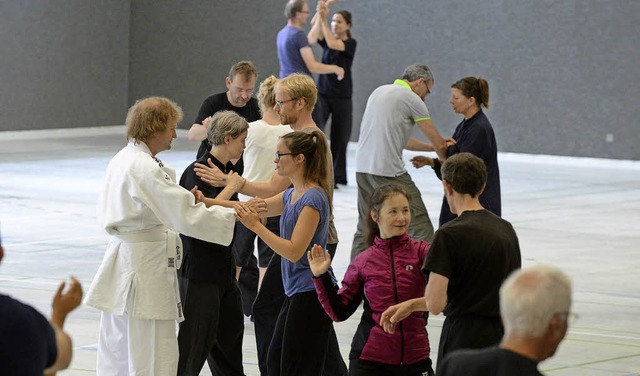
240	82
535	304
468	260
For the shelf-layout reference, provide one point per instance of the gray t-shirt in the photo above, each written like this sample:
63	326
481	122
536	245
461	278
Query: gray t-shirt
387	123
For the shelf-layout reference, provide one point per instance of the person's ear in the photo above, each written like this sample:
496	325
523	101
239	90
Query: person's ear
374	216
227	139
448	188
228	82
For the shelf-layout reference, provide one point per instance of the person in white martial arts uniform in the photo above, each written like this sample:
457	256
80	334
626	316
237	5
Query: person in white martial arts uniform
136	286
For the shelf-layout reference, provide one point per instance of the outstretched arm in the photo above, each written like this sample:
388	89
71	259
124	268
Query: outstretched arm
292	249
339	305
396	313
63	303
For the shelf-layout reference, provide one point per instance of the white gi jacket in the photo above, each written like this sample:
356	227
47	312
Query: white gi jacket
141	206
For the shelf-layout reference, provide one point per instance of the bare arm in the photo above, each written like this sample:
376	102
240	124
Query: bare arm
292	249
63	304
233	184
437	142
314	66
198	132
269	188
435	294
332	42
396	313
416	145
316	29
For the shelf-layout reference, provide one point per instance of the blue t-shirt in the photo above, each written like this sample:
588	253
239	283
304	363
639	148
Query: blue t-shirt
27	340
289	42
297	277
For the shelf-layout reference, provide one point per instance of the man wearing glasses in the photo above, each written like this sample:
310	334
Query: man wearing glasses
386	129
294	51
241	83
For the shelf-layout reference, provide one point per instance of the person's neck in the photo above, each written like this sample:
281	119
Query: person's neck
271	117
220	155
471	112
463	203
303	122
295	23
531	348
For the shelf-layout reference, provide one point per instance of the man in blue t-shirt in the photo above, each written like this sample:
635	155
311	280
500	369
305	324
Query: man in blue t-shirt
31	345
294	52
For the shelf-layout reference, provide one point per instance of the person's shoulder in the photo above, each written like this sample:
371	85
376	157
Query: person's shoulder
468	361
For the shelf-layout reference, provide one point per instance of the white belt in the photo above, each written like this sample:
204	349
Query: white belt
172	239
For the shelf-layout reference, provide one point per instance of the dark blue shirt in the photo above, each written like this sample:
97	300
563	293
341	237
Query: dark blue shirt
289	42
27	340
475	135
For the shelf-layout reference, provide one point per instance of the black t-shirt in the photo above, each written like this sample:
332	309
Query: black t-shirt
476	251
493	361
328	84
27	340
202	260
220	102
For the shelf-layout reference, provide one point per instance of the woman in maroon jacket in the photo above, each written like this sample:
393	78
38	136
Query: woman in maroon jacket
386	273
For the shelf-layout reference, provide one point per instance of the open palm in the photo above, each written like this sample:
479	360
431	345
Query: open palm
319	260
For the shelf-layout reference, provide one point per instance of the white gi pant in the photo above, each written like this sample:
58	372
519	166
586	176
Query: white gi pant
129	346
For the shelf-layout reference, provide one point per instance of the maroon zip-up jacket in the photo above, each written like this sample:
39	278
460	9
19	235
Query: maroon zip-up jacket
384	274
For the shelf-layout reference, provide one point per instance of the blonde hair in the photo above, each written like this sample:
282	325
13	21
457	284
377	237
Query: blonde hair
151	115
298	86
266	93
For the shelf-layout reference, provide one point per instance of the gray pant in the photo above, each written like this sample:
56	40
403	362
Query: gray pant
420	227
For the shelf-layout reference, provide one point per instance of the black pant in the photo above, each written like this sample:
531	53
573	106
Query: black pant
468	332
359	367
341	112
266	309
212	329
300	338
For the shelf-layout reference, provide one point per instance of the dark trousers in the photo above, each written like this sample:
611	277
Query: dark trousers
266	310
212	329
468	332
341	112
359	367
300	338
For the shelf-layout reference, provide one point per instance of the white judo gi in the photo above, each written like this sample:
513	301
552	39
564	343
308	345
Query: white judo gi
136	286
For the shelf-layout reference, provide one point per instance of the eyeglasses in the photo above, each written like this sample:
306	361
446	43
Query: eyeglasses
244	91
281	103
425	84
279	155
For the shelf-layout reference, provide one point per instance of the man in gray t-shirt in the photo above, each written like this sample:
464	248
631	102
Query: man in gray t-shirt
387	124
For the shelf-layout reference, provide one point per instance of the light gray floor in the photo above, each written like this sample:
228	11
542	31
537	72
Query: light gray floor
582	215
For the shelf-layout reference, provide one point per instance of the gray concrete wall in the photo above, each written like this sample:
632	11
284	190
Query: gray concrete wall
64	63
564	75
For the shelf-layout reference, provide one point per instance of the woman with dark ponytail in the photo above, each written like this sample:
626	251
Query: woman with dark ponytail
334	96
383	275
473	135
301	335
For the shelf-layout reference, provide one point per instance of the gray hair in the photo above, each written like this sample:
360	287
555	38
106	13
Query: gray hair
415	71
531	297
226	123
